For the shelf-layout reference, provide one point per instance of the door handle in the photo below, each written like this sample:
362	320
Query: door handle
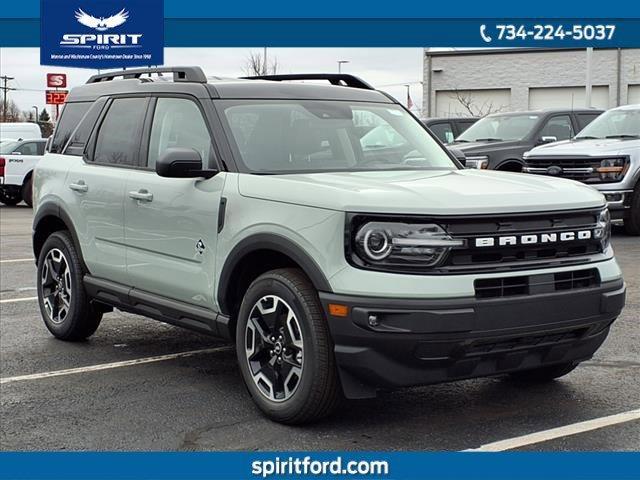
141	195
79	187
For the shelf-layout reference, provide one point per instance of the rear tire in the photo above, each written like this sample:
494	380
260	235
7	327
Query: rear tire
27	192
64	304
544	374
10	196
632	222
284	349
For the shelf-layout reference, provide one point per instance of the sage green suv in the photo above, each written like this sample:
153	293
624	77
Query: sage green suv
252	209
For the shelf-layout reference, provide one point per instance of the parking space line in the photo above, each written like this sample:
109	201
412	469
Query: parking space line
567	430
17	260
14	300
110	366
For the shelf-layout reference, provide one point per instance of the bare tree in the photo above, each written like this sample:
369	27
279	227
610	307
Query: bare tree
469	104
255	65
12	112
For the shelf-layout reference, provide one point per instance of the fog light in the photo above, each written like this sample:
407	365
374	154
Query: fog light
613	197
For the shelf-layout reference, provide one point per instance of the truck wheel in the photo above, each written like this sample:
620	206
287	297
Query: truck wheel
632	222
64	304
10	196
544	374
285	349
27	192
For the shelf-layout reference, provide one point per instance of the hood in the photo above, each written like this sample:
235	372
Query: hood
594	148
454	192
482	147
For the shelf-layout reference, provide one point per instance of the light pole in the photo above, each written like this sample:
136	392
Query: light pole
37	115
409	103
340	63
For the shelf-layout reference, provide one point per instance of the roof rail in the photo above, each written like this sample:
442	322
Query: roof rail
180	74
333	78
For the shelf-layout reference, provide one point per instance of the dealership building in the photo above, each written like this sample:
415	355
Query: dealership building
477	82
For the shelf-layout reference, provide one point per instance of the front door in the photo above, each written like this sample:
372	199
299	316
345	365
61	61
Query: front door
171	223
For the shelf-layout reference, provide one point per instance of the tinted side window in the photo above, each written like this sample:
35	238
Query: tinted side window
118	140
178	122
585	119
69	119
29	148
444	131
559	127
464	124
41	147
81	134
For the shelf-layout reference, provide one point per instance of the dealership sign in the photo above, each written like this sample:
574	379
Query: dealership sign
56	80
101	34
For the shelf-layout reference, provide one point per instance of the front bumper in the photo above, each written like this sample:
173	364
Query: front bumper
417	342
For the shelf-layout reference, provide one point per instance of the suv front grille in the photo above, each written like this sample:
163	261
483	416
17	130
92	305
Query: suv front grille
536	284
583	169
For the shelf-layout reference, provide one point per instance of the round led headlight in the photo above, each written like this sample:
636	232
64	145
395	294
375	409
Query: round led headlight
376	244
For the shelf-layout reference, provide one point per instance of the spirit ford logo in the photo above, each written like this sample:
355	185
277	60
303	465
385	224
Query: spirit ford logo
101	24
533	239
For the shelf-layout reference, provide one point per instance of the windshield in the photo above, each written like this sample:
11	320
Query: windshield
613	124
500	127
8	147
283	136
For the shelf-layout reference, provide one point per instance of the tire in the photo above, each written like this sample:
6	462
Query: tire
632	222
284	303
63	302
27	192
544	374
10	197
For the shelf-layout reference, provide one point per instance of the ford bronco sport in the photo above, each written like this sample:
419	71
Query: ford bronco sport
250	209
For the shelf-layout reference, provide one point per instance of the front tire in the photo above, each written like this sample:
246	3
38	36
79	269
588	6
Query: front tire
632	222
64	304
284	349
544	374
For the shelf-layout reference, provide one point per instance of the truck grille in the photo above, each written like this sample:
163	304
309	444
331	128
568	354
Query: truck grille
582	169
471	258
536	284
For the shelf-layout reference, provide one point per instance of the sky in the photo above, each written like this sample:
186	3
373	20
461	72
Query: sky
387	69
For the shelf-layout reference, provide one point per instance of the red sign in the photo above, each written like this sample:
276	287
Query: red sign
56	97
56	80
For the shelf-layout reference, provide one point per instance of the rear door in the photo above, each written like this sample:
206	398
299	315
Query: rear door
171	223
97	183
22	160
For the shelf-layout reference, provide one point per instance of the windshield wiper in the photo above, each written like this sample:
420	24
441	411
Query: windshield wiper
488	139
587	137
623	136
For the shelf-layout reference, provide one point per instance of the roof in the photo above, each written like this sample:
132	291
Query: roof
548	111
191	80
447	119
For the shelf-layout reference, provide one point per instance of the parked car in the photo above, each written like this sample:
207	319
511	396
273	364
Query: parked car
498	141
605	155
17	161
252	210
447	129
19	131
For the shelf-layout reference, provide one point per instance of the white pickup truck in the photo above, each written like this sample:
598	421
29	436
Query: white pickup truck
18	158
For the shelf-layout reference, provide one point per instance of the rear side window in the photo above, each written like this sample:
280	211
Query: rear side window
585	119
69	120
444	131
80	136
28	148
118	140
463	125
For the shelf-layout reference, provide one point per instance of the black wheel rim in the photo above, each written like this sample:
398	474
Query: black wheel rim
55	282
274	348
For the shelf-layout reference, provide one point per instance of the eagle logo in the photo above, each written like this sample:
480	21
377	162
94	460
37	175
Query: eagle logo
101	24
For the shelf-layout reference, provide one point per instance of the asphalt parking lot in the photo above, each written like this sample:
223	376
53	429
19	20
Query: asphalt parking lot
141	385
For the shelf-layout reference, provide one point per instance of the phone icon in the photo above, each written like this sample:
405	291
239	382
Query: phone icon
483	34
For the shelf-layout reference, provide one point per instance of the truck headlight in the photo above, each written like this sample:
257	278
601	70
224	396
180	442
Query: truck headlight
613	169
395	245
481	162
602	231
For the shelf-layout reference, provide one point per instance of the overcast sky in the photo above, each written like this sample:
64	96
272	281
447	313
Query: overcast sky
386	68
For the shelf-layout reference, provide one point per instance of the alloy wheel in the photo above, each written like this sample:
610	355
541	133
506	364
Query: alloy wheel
56	286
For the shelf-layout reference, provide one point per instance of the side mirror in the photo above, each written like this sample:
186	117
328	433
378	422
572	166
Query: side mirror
548	139
460	156
182	163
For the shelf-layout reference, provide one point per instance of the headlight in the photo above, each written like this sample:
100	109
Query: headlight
613	169
480	162
602	231
396	245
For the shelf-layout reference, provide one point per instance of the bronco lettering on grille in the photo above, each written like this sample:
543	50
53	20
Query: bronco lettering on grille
533	239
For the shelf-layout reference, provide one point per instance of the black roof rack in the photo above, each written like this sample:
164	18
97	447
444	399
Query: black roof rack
333	78
180	74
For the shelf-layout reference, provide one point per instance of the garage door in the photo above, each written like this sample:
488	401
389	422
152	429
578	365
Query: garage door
633	96
466	103
567	97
